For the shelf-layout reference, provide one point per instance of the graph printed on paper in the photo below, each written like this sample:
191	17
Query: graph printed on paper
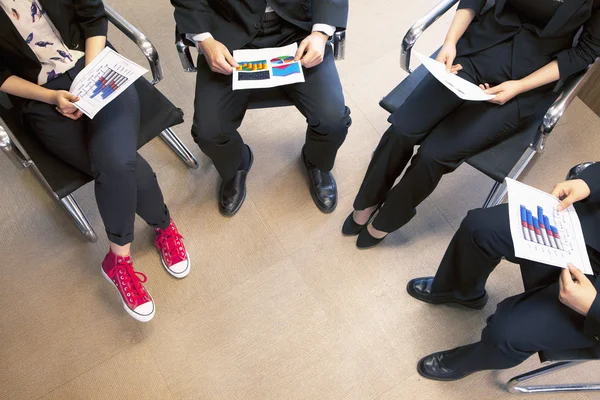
104	82
543	234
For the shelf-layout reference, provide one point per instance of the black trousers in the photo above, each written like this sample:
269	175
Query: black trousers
448	130
219	111
106	149
522	325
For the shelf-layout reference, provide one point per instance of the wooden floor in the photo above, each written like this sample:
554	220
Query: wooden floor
278	305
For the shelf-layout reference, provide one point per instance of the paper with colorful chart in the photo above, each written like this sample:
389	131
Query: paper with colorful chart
102	80
542	233
265	68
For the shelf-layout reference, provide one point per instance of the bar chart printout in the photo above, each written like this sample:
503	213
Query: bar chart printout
543	234
107	76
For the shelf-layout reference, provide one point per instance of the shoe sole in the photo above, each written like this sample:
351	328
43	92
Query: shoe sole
181	275
136	316
232	213
449	302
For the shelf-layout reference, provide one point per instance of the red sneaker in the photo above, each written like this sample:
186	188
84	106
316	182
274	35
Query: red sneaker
136	300
173	254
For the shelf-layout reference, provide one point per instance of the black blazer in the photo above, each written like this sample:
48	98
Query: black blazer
235	22
75	20
535	47
588	211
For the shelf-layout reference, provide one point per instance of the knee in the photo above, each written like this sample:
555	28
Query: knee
504	331
210	129
331	121
115	164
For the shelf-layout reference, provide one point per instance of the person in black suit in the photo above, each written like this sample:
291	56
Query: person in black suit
559	310
221	26
516	50
44	45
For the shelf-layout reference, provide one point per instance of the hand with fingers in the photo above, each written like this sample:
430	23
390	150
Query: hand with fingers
447	55
217	56
570	192
312	50
576	290
503	92
64	104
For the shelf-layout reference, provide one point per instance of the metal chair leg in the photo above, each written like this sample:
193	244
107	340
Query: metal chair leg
499	189
187	62
169	137
71	206
514	386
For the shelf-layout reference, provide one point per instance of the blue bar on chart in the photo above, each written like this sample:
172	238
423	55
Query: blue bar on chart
538	229
108	83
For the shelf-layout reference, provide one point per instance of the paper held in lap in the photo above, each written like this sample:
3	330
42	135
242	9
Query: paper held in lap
105	78
461	87
265	68
541	233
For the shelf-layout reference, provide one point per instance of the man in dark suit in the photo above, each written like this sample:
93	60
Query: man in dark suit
559	310
221	26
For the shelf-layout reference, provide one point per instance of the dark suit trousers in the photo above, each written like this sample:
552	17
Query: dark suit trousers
219	111
448	130
522	325
106	149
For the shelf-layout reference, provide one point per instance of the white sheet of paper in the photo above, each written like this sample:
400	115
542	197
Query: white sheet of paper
265	68
106	77
461	87
558	242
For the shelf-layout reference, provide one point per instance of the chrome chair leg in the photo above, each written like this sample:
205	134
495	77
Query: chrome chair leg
499	190
187	62
71	207
514	385
169	137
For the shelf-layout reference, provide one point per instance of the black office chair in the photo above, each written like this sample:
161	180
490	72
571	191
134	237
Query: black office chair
559	359
157	117
510	157
264	98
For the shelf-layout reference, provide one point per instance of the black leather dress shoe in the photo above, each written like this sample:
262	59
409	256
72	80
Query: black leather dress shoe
431	367
233	192
420	289
323	188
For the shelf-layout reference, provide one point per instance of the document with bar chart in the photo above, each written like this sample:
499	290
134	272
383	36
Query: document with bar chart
543	234
103	80
265	68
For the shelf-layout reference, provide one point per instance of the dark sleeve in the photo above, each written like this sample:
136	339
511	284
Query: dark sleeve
192	16
4	71
591	176
475	5
578	58
91	17
330	12
591	326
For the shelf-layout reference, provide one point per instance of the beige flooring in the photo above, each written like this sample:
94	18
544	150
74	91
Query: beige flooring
279	305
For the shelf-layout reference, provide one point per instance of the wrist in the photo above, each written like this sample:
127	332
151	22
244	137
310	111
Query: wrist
50	96
450	40
321	34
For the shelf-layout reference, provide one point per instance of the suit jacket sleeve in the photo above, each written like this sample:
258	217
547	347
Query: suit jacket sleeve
591	176
4	71
91	17
192	16
578	58
330	12
475	5
591	326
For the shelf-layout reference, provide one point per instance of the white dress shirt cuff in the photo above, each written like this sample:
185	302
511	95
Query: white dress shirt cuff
326	29
198	37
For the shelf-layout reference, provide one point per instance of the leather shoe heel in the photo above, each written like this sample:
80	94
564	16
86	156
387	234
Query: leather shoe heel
233	192
420	289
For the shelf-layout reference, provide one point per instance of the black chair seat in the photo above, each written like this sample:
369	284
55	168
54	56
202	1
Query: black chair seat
157	113
591	353
496	162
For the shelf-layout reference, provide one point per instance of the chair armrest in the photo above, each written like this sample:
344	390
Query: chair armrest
338	43
418	28
558	108
140	39
14	154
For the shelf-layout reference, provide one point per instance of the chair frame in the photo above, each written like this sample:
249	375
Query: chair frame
14	151
554	113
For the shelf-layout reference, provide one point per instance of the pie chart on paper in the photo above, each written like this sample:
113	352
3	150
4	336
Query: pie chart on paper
282	60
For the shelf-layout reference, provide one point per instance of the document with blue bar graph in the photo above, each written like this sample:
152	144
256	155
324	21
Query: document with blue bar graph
106	77
541	233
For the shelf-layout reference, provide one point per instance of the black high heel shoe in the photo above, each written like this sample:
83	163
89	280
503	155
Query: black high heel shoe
365	240
351	228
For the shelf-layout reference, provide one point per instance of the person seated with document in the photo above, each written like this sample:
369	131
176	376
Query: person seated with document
559	309
517	50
